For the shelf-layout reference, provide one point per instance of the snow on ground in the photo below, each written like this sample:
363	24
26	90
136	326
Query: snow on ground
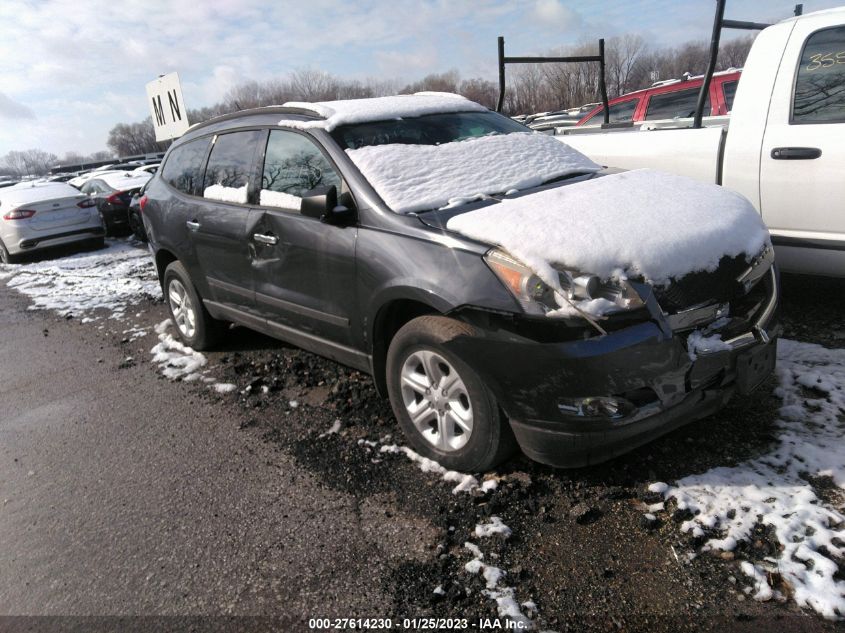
177	361
623	220
465	483
348	111
775	489
109	279
418	177
504	596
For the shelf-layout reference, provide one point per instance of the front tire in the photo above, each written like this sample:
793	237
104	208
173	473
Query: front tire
444	408
194	325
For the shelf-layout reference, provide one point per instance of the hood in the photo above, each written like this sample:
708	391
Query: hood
641	223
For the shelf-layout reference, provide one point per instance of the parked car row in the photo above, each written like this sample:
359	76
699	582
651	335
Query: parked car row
36	215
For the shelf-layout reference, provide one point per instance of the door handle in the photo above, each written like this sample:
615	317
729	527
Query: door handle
796	153
192	225
265	239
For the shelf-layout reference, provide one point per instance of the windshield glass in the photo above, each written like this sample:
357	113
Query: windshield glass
447	160
432	129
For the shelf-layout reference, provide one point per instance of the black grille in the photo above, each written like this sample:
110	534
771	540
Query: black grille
718	286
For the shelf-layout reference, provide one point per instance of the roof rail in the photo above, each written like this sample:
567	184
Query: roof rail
274	109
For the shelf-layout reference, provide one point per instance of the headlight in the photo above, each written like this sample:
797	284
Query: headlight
575	292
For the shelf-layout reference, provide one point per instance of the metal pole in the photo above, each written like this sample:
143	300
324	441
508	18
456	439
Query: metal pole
711	64
501	101
602	83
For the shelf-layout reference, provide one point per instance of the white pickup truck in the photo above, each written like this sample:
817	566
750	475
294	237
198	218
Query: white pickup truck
783	146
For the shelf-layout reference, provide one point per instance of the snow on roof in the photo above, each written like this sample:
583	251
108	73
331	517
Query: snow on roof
347	111
644	222
123	180
417	177
30	192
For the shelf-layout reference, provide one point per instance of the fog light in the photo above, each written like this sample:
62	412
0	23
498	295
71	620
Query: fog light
597	407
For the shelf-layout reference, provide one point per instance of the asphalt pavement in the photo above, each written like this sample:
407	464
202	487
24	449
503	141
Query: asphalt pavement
122	493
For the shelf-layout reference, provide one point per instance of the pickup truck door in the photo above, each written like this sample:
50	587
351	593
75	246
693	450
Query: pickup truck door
802	161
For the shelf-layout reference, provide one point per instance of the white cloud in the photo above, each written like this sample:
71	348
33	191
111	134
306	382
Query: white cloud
11	109
554	14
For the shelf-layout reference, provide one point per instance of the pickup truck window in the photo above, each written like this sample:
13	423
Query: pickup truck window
671	105
820	83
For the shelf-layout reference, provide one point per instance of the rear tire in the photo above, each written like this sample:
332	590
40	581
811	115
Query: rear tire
194	325
137	226
457	424
6	257
95	243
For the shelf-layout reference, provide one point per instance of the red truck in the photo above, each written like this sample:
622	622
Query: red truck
671	99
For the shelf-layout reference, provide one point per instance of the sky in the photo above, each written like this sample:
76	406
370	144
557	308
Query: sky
72	69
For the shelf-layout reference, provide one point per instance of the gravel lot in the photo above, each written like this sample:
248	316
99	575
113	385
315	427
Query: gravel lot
580	551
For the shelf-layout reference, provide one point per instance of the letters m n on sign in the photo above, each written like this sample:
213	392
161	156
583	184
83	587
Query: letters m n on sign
167	107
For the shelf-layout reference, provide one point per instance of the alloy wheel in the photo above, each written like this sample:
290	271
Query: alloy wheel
182	308
436	400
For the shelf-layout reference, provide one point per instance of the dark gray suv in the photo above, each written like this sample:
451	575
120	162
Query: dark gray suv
357	230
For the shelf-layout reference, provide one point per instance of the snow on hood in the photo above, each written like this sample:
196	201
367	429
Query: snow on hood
381	108
418	177
644	222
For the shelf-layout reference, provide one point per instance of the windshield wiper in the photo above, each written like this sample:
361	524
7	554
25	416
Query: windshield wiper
564	177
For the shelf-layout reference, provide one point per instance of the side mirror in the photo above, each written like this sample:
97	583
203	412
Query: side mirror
319	202
322	203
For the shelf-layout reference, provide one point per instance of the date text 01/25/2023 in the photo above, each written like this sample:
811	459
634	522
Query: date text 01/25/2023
415	624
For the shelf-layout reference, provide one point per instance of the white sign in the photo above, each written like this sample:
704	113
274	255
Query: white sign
170	117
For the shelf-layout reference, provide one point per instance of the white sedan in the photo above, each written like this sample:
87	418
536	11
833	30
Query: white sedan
37	215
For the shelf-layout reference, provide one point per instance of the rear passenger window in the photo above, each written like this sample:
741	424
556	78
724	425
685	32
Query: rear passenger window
293	166
675	105
183	169
729	89
820	84
229	166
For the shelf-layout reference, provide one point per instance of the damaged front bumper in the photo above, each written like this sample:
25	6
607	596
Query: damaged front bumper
582	402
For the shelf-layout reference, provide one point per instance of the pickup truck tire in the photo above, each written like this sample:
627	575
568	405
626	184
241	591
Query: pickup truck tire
194	325
459	424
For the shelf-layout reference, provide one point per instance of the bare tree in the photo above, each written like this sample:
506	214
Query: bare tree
30	162
732	54
622	56
129	139
442	82
481	91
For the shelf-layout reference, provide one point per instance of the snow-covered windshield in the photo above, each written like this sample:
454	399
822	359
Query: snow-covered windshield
432	129
445	160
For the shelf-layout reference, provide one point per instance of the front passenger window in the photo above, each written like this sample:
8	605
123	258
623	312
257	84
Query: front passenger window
293	166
